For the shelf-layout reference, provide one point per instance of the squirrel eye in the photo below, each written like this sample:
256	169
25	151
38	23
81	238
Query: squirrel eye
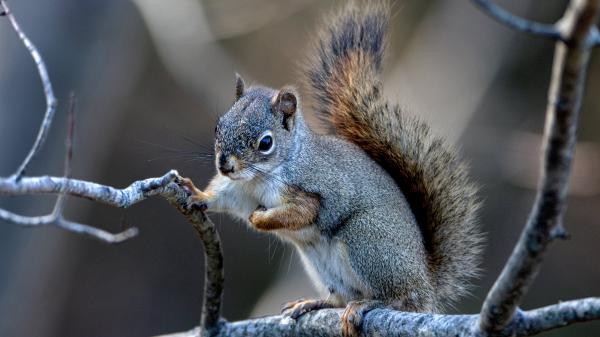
265	143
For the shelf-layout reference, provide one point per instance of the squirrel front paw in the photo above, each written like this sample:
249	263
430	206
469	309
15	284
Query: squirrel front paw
260	218
197	199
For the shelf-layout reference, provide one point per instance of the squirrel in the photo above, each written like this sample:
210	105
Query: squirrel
382	212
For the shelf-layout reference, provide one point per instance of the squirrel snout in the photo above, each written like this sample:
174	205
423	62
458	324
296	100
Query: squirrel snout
225	164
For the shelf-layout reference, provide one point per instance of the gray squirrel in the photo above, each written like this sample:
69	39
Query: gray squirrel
382	212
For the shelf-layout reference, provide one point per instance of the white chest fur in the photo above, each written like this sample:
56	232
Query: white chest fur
241	197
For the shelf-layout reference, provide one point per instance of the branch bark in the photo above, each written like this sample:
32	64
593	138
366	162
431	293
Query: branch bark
51	102
210	323
169	187
384	322
517	23
545	220
136	192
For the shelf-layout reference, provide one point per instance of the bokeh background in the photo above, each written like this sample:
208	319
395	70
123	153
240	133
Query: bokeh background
152	76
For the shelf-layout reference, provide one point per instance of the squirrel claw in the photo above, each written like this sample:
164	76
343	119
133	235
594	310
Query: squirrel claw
295	309
197	199
289	305
188	184
198	202
195	204
262	208
353	316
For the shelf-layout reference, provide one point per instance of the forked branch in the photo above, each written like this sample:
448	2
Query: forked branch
545	220
51	101
170	186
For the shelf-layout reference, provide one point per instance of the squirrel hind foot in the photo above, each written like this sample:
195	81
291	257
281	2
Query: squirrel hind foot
295	309
354	314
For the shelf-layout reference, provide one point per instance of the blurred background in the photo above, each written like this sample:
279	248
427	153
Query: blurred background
152	76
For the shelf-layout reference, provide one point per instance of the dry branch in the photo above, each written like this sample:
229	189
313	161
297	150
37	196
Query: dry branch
51	101
571	57
508	19
111	196
383	322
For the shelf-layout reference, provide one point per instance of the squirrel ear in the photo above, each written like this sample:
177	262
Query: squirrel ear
286	103
239	86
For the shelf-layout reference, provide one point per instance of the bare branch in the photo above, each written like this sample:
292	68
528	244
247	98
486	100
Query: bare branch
560	315
51	101
56	218
517	23
58	221
385	322
60	201
570	65
126	197
166	186
213	262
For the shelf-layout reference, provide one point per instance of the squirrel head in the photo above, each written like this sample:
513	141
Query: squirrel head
257	133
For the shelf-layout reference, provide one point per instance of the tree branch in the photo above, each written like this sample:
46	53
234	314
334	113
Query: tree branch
108	195
136	192
385	322
517	23
210	324
545	220
51	101
59	221
169	186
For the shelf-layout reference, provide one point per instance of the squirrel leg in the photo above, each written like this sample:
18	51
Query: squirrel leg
299	210
295	309
352	318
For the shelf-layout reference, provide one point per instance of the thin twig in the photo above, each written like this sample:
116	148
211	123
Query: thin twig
517	23
58	221
60	201
566	88
64	186
56	218
70	135
51	101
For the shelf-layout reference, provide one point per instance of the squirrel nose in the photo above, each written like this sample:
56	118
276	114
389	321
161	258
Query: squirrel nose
225	165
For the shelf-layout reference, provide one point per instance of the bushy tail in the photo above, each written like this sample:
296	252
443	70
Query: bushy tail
343	73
